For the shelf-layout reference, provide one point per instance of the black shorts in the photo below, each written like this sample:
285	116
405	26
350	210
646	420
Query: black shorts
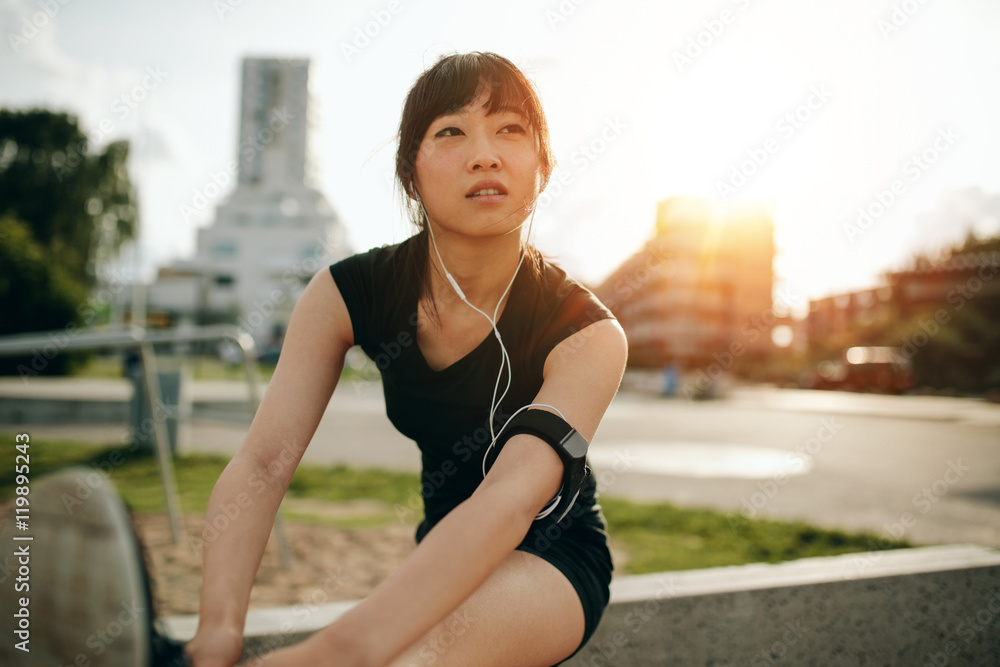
578	547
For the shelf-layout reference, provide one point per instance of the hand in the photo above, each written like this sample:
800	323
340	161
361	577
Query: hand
215	647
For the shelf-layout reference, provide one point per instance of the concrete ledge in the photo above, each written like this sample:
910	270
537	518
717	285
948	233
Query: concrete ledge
925	606
906	607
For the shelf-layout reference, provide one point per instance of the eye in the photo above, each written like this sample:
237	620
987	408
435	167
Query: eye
513	128
449	132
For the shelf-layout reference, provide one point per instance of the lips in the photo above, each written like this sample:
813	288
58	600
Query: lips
486	189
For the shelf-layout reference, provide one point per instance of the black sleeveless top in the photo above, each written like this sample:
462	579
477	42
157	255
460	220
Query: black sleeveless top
447	412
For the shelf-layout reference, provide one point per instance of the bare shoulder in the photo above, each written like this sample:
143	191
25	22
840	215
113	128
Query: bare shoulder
583	372
319	332
602	343
321	310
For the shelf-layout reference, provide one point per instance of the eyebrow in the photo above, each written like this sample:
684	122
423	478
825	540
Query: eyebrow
508	109
463	111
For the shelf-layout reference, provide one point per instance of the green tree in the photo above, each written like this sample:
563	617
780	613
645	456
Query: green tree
962	334
36	292
65	211
80	206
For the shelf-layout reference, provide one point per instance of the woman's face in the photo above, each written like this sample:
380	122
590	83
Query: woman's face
478	175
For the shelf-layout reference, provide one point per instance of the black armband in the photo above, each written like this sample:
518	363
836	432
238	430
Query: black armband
567	443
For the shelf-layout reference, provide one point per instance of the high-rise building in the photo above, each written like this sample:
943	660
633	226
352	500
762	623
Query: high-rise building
275	229
274	117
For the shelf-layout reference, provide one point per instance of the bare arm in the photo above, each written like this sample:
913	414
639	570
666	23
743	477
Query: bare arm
245	499
580	378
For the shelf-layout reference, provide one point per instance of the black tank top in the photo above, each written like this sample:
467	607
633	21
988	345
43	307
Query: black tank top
447	412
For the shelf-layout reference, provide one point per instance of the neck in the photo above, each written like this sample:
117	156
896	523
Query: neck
483	268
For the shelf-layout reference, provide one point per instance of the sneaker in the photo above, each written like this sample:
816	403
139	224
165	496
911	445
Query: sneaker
88	594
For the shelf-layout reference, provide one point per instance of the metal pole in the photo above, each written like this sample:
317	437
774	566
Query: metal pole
250	366
163	454
138	337
284	555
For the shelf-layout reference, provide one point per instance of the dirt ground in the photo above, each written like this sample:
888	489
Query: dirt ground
327	563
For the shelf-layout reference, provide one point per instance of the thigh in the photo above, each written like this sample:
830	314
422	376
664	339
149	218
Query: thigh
526	614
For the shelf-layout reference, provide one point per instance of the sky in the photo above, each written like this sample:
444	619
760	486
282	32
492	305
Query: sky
871	124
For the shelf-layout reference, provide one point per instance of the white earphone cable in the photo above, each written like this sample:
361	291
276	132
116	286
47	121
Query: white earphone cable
504	355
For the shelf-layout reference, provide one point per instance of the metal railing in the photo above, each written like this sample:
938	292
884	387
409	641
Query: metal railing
143	341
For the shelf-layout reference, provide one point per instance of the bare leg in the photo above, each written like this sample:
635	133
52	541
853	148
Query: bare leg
526	614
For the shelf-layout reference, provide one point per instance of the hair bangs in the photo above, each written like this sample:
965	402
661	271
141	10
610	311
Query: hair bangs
454	82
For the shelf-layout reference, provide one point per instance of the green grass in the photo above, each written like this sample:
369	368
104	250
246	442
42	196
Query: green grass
654	537
209	368
202	368
137	479
659	537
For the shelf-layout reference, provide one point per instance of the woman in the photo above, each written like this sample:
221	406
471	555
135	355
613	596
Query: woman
452	317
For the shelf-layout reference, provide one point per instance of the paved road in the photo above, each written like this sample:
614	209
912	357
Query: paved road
924	468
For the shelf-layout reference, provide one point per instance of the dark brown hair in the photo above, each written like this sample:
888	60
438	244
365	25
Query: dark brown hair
450	84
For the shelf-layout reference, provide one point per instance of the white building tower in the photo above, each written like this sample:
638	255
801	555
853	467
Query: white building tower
274	231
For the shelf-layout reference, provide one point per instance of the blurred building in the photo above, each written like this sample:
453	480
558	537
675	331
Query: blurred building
699	292
839	319
859	318
273	232
946	283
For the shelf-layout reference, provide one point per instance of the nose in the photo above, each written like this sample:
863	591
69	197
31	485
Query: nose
483	154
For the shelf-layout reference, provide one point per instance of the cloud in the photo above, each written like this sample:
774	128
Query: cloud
31	41
35	70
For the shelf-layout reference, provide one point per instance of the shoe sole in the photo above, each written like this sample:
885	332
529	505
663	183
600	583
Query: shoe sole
86	600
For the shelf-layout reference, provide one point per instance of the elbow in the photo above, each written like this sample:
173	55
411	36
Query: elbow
269	472
511	511
516	506
527	474
524	514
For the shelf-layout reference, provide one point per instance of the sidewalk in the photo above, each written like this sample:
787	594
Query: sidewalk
367	396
